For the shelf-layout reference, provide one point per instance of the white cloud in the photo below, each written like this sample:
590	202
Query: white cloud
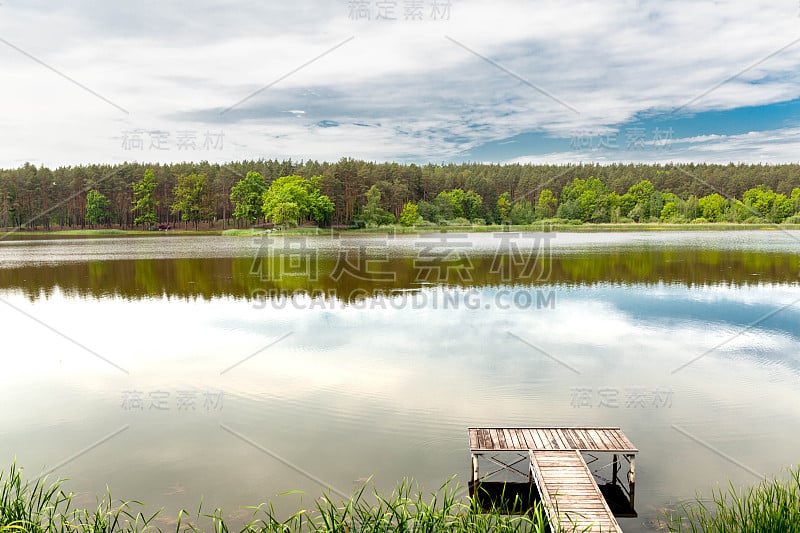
752	147
174	67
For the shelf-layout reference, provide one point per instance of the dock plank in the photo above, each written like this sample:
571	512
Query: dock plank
585	439
521	438
569	493
473	439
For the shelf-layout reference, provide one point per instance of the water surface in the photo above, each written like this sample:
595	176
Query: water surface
232	369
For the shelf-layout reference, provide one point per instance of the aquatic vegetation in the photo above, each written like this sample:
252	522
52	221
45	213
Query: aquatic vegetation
771	506
38	507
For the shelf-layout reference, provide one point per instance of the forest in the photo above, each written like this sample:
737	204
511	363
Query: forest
356	193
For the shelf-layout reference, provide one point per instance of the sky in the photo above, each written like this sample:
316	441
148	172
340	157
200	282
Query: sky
420	81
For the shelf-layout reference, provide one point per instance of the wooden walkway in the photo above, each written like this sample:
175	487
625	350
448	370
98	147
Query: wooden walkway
566	485
570	496
600	439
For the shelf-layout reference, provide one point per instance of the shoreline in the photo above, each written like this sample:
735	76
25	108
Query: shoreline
12	234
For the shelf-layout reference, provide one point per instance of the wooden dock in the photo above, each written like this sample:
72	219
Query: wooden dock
569	493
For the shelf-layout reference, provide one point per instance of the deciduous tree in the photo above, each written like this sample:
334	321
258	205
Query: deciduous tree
144	203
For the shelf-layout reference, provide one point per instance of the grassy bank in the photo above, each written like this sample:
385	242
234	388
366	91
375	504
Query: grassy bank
37	507
555	227
13	234
771	506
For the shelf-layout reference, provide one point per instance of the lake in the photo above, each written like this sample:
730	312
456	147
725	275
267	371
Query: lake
233	369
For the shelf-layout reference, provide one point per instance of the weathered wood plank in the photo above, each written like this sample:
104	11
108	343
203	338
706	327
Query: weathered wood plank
511	439
626	441
473	439
494	439
486	439
614	437
553	445
562	438
569	493
537	439
590	439
581	439
605	440
595	436
567	434
521	439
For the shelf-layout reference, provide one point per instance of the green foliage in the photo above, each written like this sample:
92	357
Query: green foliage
321	207
374	214
755	220
38	508
586	199
690	209
546	205
97	208
293	199
144	204
522	212
642	195
36	197
192	199
471	204
246	197
669	212
772	506
626	203
458	204
713	207
285	213
429	211
766	203
503	206
410	214
570	210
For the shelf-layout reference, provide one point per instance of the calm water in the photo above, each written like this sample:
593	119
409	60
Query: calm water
233	369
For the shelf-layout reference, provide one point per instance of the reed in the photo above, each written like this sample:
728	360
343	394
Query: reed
38	507
771	506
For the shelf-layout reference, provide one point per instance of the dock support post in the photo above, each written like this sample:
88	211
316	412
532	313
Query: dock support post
632	479
530	469
474	469
614	469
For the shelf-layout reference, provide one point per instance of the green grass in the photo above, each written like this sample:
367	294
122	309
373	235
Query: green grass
86	232
771	506
558	227
38	506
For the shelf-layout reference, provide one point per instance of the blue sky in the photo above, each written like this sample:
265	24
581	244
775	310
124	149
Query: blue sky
648	137
385	80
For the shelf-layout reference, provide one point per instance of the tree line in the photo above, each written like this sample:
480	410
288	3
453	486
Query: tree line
352	192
